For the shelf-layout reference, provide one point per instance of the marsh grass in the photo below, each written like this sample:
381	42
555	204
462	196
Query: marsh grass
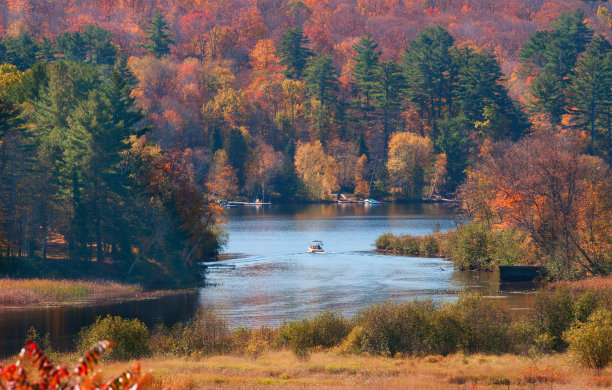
329	370
36	291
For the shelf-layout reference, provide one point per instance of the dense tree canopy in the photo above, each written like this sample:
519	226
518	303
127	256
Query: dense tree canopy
148	108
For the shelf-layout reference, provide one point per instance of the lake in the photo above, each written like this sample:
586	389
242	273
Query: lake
268	276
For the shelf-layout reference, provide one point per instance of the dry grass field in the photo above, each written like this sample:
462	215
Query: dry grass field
328	370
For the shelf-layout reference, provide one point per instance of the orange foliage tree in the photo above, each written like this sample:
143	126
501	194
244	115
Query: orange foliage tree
545	187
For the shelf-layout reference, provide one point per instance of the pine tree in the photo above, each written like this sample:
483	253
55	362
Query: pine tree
548	96
365	76
387	96
158	36
427	67
237	150
322	85
479	95
72	46
99	129
100	50
590	98
322	79
294	53
21	51
454	142
555	53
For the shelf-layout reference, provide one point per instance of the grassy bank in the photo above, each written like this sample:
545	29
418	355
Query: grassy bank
564	342
472	246
330	370
42	292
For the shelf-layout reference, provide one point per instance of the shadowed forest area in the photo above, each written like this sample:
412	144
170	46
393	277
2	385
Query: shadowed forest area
124	123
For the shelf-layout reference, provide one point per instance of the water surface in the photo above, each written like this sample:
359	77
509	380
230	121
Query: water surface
269	277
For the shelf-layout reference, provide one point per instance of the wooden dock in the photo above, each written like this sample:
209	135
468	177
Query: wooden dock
520	273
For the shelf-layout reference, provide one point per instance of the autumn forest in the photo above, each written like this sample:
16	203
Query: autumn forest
124	123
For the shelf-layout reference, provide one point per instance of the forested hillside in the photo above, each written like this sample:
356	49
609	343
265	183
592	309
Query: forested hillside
123	121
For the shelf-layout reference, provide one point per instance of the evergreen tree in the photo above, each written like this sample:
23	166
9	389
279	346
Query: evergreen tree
21	51
237	150
93	45
72	46
365	75
548	96
294	53
454	142
46	51
158	36
100	50
480	96
531	55
569	38
427	67
387	96
99	129
125	72
322	85
322	79
555	53
590	98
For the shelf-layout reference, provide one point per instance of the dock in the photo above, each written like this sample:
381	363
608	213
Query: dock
520	273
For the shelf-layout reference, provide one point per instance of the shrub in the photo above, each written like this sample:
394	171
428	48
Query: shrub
430	245
552	313
130	337
591	341
252	342
391	328
446	331
385	241
485	327
325	330
205	334
352	343
507	247
469	247
589	301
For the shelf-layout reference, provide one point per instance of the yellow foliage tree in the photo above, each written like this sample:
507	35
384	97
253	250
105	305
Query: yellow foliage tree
222	180
410	156
362	186
316	169
263	55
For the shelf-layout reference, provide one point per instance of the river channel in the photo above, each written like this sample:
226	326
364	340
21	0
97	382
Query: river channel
267	276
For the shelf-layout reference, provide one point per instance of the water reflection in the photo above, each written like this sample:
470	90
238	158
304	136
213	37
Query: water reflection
267	276
63	323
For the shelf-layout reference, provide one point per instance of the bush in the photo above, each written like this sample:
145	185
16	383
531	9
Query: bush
475	246
430	245
591	341
485	327
469	247
205	334
391	328
130	337
252	342
385	241
552	313
446	331
409	245
325	330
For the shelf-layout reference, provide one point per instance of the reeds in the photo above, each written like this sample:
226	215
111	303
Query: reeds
20	292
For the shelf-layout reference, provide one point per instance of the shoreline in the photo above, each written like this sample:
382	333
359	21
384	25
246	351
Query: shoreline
39	293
